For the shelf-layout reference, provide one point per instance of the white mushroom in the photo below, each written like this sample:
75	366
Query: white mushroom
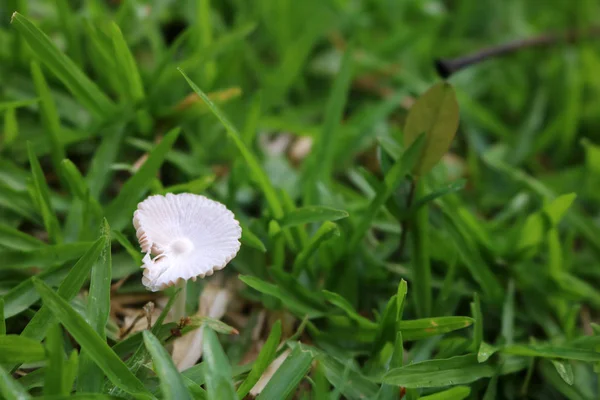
190	236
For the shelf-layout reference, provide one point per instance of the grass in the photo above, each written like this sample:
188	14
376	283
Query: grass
397	256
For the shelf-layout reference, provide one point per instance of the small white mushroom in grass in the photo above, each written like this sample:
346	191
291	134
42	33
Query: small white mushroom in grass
190	236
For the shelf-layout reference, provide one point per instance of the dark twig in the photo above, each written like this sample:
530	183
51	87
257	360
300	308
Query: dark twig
404	225
447	67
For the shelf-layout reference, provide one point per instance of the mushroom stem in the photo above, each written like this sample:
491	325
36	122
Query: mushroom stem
179	305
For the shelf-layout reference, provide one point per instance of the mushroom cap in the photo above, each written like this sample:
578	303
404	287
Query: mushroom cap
190	236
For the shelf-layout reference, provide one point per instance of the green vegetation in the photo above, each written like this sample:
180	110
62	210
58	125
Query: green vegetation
403	236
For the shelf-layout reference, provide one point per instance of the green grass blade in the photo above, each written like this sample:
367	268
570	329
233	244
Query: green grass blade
195	390
553	378
99	174
43	257
397	359
340	376
120	210
70	371
171	382
508	314
439	373
453	187
53	378
17	349
78	83
204	36
131	82
19	298
68	289
550	351
71	285
77	185
456	393
2	319
490	391
216	325
401	300
11	389
11	105
320	162
295	305
15	239
256	170
289	284
218	372
421	264
164	76
422	328
100	54
79	188
471	258
297	236
140	355
343	304
392	179
251	240
42	198
310	214
11	127
18	202
97	312
575	217
325	232
288	375
485	351
50	118
80	396
265	357
68	22
90	341
565	370
478	324
135	254
252	120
